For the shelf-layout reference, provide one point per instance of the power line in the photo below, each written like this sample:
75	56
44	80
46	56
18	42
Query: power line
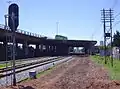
94	32
116	23
117	15
114	4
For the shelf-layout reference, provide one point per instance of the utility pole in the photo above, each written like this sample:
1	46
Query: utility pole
111	36
13	51
107	19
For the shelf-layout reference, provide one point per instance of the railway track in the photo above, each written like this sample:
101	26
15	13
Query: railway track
19	68
26	64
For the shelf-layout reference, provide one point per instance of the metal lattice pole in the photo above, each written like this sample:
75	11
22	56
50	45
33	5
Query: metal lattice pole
107	21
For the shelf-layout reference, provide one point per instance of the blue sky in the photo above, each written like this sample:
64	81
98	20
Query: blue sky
78	19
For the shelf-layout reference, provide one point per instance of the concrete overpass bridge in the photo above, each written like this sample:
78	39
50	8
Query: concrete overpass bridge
44	45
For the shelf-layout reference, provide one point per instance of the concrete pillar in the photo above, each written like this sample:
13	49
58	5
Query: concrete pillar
92	50
70	49
87	50
41	47
45	46
37	46
16	50
41	50
25	49
47	50
37	51
52	48
4	51
55	49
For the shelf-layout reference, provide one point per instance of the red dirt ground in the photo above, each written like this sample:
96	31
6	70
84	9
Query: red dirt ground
80	73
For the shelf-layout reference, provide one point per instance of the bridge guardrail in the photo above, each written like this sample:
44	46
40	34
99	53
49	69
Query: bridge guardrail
22	31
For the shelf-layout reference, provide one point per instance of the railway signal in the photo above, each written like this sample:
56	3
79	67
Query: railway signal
13	22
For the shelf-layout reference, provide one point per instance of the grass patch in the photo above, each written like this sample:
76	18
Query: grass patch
114	71
4	65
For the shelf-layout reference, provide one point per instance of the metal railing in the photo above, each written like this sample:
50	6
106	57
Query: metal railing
23	32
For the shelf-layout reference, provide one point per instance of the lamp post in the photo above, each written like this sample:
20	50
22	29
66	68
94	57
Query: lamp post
57	23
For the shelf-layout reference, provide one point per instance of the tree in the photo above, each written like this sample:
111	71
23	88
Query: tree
116	39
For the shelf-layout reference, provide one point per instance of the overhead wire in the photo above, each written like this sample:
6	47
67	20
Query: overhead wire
117	15
94	33
114	4
116	23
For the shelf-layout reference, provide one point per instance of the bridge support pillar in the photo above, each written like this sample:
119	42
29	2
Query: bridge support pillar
4	52
87	50
47	50
25	49
51	52
37	51
71	49
55	49
16	50
41	47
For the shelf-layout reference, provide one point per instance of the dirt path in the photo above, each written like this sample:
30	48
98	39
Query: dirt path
80	73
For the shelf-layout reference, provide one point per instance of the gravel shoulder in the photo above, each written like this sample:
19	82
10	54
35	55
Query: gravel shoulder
80	73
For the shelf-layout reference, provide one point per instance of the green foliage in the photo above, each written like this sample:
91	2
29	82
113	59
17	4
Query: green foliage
116	39
4	65
114	71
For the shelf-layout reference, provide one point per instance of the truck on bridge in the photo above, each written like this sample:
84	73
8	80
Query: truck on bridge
60	37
